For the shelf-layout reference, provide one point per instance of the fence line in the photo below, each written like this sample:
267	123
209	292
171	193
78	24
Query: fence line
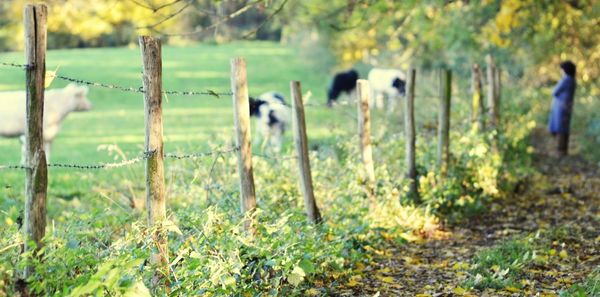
143	156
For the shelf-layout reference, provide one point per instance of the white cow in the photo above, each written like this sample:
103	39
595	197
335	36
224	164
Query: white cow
58	103
388	83
273	118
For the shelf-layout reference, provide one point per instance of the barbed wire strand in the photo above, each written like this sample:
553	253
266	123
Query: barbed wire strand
263	156
123	163
23	66
141	89
124	88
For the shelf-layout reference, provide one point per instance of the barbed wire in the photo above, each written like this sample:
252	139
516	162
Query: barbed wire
124	88
144	156
141	89
101	85
263	156
13	167
203	154
23	66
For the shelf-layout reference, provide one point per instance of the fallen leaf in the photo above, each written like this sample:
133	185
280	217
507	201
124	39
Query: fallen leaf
563	254
459	291
512	289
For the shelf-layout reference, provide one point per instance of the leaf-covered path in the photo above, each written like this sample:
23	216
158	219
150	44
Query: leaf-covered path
561	202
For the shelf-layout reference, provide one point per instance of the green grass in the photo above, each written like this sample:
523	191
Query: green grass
190	123
501	266
589	287
92	228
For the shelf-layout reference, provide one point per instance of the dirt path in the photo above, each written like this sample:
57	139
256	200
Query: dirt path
564	195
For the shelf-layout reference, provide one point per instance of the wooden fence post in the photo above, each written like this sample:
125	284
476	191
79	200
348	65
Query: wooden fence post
155	176
444	121
364	132
299	126
491	95
241	116
477	105
409	131
36	183
498	92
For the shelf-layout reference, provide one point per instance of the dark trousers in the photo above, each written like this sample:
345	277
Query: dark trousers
563	143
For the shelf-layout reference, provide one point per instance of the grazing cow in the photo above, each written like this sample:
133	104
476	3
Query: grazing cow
58	103
273	118
390	83
343	82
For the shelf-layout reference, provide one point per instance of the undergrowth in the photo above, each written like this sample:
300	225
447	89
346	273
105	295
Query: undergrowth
99	246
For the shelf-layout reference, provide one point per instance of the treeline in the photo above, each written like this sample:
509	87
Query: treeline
80	23
529	37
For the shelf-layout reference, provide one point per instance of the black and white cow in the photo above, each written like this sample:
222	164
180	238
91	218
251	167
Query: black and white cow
273	118
343	82
390	83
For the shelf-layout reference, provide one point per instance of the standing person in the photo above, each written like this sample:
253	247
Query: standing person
562	107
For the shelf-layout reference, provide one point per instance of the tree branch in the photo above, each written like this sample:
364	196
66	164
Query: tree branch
219	22
278	10
167	17
154	8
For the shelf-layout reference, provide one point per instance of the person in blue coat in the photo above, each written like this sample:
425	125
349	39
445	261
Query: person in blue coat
562	107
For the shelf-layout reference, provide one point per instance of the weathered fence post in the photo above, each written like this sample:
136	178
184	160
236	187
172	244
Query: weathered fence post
477	105
299	126
155	176
364	132
498	92
444	121
409	131
241	116
491	95
36	183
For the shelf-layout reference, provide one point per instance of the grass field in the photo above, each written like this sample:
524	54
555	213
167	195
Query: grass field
190	123
115	127
91	223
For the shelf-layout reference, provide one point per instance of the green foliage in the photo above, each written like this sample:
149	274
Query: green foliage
97	243
590	287
501	266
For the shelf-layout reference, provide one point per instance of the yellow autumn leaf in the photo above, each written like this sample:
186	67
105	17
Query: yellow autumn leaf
312	292
512	289
423	295
459	291
385	279
563	254
460	266
352	283
49	77
552	252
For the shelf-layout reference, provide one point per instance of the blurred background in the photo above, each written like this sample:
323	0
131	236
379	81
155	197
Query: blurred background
528	37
